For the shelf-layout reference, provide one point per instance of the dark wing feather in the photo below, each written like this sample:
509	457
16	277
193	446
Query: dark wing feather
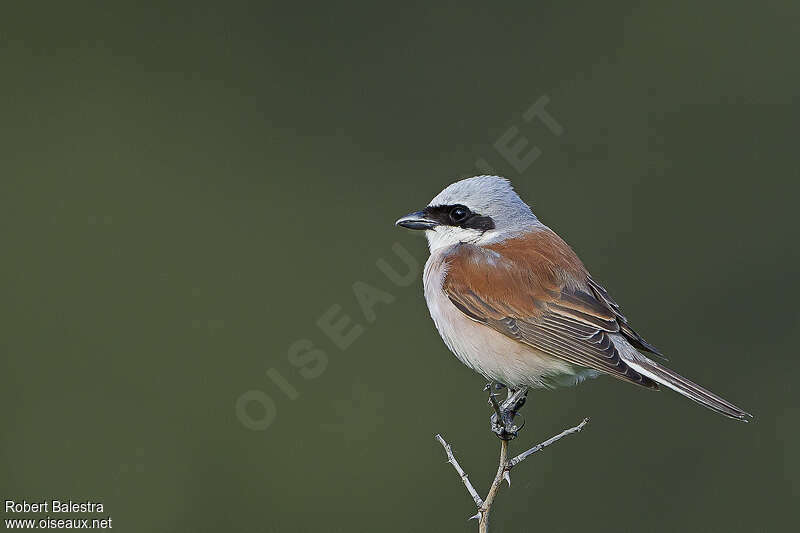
634	338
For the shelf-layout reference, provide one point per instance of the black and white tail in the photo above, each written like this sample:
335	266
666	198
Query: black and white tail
680	384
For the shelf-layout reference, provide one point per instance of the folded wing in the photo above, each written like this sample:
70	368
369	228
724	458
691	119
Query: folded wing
536	291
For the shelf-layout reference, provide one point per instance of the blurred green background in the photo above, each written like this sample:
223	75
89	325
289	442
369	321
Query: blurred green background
187	187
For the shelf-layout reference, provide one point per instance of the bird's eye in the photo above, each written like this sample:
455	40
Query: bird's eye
459	214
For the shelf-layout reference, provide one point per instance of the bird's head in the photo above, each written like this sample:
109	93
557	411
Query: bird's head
478	210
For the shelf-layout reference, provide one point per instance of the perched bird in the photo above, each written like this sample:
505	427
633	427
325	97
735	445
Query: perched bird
513	302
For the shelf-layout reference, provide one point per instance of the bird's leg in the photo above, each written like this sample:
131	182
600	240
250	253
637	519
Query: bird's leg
493	387
502	421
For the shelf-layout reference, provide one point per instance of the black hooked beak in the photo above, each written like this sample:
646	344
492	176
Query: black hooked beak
416	220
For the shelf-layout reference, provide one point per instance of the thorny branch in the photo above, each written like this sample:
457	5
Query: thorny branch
502	424
463	475
524	455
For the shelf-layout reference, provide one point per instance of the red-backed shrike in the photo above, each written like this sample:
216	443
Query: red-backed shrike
513	302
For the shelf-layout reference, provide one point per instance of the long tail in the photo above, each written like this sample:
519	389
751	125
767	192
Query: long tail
680	384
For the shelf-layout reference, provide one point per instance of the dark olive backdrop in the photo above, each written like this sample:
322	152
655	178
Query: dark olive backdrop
186	189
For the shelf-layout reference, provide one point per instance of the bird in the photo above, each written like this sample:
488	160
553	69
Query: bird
514	302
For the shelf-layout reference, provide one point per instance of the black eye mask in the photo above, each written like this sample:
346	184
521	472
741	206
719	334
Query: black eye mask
458	216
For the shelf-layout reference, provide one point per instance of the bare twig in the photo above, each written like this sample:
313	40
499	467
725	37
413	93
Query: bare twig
463	475
483	521
502	425
524	455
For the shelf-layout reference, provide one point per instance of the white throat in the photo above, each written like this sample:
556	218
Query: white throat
444	236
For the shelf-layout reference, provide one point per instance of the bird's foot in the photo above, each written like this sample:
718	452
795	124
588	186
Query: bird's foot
502	420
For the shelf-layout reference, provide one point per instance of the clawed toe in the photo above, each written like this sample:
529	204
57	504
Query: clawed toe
502	420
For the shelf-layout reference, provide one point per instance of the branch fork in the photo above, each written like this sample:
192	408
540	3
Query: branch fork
501	424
